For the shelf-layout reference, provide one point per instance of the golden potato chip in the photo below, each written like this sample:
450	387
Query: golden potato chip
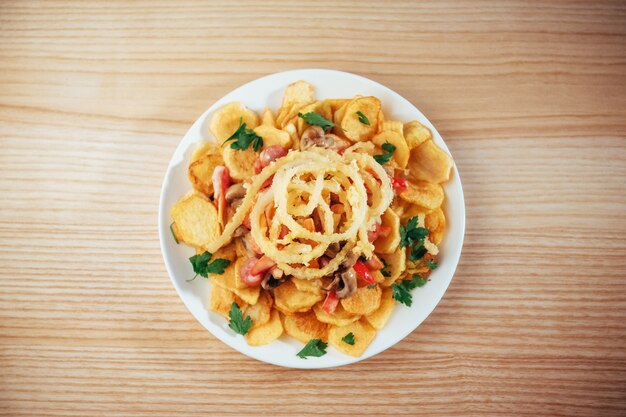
310	285
266	333
288	298
401	154
305	326
226	252
362	332
335	104
221	300
176	233
200	173
240	164
267	118
379	317
393	126
363	301
337	116
430	163
291	129
340	316
298	92
260	312
205	148
381	120
196	220
272	136
413	210
353	128
397	265
228	280
389	243
425	194
416	133
225	120
435	222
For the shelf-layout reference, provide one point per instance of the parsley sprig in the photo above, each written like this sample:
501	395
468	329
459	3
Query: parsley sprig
349	339
401	291
363	118
432	264
314	348
385	157
411	233
316	119
244	137
202	266
237	322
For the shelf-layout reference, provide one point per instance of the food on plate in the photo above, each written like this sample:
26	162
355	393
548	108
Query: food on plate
313	221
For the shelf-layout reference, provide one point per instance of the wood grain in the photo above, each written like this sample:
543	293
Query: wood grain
530	97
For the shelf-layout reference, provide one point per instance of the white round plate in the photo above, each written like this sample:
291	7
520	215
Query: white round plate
267	91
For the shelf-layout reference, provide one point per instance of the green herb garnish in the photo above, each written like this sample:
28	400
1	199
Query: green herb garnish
315	119
348	339
401	291
418	251
315	348
371	286
244	137
432	264
202	267
173	234
363	118
237	322
411	233
385	157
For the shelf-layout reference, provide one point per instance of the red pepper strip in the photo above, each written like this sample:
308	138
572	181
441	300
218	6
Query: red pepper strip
399	184
262	265
330	304
360	268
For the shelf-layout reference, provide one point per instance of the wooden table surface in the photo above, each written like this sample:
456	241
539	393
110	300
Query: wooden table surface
530	98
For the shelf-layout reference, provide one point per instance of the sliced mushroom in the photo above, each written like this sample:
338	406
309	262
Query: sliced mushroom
333	250
234	192
269	282
347	286
315	136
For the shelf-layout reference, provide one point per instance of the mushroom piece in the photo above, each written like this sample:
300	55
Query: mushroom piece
315	136
333	249
348	279
234	192
269	282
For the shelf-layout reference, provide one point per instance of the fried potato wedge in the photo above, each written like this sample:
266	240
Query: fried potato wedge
353	128
205	148
267	118
435	222
363	334
310	285
298	92
273	136
240	164
196	220
288	298
401	154
363	301
305	326
389	243
200	172
228	280
340	316
260	312
397	265
221	300
416	133
379	317
393	126
225	120
430	163
424	194
266	333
